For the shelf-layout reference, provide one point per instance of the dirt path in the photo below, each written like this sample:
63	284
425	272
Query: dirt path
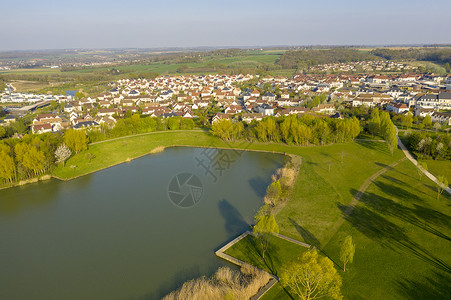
333	230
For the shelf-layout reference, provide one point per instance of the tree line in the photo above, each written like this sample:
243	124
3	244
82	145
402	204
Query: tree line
37	155
292	130
428	145
308	58
136	124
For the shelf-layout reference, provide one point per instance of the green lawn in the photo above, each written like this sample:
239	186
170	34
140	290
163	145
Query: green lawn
280	252
440	167
402	233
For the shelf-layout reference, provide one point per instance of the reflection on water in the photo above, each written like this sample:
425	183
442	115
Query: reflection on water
115	234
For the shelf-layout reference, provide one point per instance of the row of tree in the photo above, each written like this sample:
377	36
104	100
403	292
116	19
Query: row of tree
290	130
36	155
139	124
381	125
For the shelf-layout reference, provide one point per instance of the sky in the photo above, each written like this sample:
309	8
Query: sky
61	24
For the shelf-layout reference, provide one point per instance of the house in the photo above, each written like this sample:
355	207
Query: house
285	95
255	93
266	109
86	124
233	108
41	128
441	100
293	110
220	116
249	117
107	112
288	102
442	118
397	108
9	119
327	108
268	96
423	112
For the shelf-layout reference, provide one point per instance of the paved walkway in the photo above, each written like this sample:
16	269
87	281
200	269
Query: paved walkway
415	162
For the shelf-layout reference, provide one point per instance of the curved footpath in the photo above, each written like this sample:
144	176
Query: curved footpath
415	162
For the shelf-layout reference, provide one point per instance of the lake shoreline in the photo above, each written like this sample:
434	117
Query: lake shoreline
159	149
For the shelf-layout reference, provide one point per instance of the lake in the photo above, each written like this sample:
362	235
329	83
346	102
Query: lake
119	233
70	93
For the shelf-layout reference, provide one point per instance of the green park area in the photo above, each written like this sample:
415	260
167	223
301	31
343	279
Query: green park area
400	228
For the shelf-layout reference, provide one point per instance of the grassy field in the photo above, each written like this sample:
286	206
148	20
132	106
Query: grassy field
42	71
440	167
32	86
401	231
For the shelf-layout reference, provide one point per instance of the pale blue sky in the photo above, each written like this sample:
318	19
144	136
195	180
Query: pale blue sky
51	24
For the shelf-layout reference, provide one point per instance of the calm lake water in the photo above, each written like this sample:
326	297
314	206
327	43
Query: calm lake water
70	93
116	235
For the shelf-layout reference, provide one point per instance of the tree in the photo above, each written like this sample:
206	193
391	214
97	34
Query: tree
7	166
447	67
2	132
223	129
312	277
90	156
347	252
76	140
437	126
427	122
62	154
265	226
407	120
274	191
374	123
442	184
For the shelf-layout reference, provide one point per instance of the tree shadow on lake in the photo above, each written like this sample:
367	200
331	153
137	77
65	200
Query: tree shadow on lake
234	221
174	283
436	286
16	200
389	235
259	185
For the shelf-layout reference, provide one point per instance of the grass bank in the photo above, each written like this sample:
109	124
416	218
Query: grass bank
402	233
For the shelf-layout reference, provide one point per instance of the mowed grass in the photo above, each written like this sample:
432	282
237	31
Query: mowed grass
280	253
110	153
402	235
31	86
31	71
400	229
440	167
